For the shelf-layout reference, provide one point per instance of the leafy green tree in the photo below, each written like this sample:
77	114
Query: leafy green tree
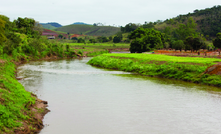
193	43
2	31
217	41
92	40
74	38
102	39
28	27
178	45
129	27
110	38
80	40
60	36
148	25
116	39
183	31
120	35
138	46
146	39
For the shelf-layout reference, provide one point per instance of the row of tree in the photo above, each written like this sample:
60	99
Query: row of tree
147	39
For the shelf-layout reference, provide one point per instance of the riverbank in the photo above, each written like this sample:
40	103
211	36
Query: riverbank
20	110
192	69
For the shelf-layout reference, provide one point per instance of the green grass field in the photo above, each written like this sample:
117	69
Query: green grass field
93	49
183	68
167	58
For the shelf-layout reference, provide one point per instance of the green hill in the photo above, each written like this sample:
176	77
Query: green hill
89	30
51	25
48	26
208	21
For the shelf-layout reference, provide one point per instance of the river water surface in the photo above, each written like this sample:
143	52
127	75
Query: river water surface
89	100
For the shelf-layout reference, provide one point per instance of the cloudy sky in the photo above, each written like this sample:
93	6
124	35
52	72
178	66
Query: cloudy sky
114	12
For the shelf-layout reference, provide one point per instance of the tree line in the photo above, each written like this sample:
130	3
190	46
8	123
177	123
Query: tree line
183	37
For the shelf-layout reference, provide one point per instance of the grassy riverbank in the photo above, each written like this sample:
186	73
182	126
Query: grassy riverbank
19	109
183	68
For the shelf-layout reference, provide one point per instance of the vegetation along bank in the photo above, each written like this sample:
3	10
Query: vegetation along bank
193	69
21	41
20	111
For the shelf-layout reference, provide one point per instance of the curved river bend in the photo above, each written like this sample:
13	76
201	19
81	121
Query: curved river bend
88	100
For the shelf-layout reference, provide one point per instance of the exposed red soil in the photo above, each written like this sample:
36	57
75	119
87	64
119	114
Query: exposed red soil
36	121
76	35
201	53
214	69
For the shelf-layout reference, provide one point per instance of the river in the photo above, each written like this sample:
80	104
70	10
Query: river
87	100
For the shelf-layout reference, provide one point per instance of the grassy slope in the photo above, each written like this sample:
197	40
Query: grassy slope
48	26
15	100
184	68
208	21
89	30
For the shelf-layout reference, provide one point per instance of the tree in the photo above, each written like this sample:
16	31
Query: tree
110	38
60	36
116	39
80	40
2	32
28	27
178	45
183	31
146	39
102	39
217	41
74	38
148	25
129	27
92	41
193	43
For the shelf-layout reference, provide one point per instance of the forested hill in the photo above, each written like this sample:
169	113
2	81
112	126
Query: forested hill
208	20
89	30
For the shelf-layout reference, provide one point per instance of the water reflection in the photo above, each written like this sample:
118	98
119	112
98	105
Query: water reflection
84	99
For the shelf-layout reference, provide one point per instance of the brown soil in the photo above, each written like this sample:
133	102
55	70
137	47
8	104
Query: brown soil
214	69
35	124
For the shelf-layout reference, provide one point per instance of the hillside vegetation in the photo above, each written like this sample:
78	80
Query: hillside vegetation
51	25
89	30
208	21
48	26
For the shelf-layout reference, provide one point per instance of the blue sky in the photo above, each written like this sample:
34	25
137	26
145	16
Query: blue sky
114	12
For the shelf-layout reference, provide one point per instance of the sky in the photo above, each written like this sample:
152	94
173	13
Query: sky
114	12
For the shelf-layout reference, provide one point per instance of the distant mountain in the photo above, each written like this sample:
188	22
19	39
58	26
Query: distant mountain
51	25
80	23
89	30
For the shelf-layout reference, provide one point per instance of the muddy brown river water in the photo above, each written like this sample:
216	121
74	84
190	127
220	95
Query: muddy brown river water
89	100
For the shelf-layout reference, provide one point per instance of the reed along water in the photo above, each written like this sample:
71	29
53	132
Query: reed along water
87	100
